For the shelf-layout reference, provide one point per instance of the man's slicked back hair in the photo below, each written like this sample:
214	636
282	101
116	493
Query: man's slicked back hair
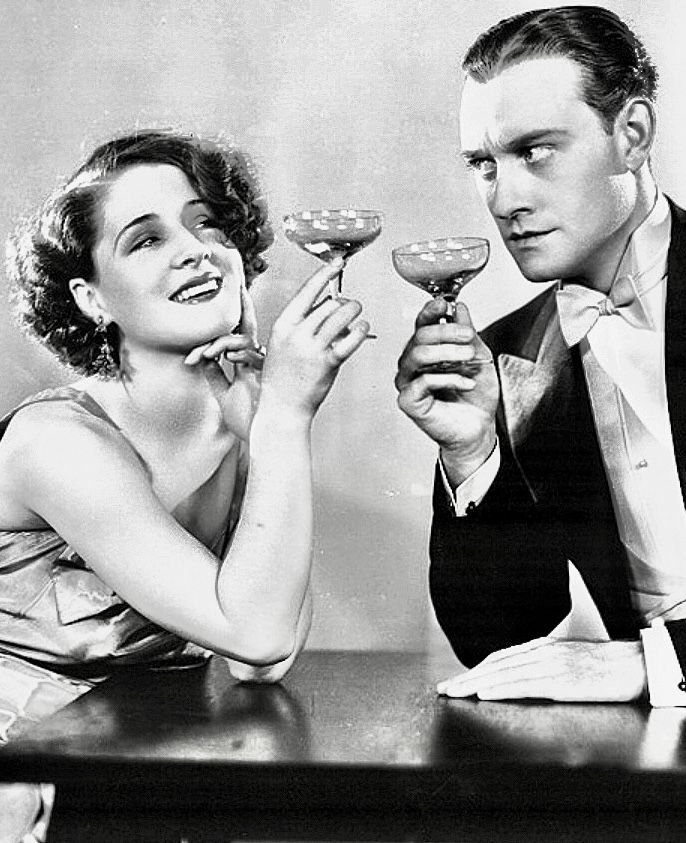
614	64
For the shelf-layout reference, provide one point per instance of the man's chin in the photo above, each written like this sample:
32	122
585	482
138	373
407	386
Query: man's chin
537	270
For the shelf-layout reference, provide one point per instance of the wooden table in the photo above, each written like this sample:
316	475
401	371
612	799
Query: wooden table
351	746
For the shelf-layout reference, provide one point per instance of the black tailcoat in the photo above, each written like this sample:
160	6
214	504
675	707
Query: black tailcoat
499	576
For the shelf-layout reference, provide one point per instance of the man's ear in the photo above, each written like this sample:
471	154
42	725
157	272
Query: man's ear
635	128
88	300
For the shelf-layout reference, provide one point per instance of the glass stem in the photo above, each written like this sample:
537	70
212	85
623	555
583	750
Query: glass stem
451	304
336	286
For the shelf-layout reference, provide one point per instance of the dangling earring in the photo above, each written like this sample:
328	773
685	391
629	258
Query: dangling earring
105	360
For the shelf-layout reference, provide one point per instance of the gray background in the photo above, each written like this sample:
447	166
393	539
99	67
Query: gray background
341	103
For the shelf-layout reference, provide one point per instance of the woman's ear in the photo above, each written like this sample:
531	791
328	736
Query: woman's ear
635	126
88	301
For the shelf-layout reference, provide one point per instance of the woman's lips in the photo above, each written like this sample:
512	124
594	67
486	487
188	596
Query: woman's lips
198	289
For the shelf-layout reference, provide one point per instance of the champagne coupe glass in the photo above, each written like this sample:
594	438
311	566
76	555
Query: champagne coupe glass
442	268
329	234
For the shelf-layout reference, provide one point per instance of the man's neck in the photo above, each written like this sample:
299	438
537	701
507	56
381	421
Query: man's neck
603	271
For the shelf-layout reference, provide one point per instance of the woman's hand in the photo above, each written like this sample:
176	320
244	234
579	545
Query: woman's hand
308	344
235	387
240	347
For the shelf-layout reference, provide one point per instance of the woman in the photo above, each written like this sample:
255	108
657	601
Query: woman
135	525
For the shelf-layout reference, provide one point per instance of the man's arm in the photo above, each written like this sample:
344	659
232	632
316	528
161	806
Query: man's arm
492	581
495	579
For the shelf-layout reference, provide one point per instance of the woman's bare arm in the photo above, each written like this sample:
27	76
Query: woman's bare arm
86	482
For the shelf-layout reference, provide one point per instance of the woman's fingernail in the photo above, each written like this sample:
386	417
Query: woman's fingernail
337	262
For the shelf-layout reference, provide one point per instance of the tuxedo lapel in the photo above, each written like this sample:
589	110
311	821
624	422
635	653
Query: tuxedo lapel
675	339
530	379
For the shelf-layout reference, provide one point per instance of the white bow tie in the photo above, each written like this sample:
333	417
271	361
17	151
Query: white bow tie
581	307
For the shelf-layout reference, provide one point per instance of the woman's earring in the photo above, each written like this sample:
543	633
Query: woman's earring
105	359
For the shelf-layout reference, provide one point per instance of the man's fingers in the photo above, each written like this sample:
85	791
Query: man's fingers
511	678
526	688
431	313
428	384
432	357
416	397
438	309
519	663
462	315
436	343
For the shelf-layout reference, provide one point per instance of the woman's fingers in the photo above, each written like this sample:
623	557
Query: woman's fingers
237	348
302	302
338	320
254	358
248	324
196	355
320	312
351	340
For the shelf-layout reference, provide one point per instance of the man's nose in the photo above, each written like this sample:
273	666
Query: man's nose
509	193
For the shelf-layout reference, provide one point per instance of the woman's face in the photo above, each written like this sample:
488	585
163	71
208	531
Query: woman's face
166	274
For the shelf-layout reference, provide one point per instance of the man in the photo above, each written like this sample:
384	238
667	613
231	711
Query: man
571	447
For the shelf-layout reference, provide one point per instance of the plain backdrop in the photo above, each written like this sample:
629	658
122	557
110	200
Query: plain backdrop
341	103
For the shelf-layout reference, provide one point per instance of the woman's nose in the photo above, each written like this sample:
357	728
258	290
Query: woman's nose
190	251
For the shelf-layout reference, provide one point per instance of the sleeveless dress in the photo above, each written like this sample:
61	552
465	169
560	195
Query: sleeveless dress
61	627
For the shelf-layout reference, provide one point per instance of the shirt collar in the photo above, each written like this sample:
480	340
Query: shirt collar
644	261
645	257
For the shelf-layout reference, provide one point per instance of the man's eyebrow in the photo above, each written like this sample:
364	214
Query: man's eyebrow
131	224
520	142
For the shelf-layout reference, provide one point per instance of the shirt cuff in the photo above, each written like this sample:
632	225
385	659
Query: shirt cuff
666	685
469	494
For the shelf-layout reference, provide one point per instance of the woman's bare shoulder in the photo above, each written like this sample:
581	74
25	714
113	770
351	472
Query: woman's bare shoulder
51	432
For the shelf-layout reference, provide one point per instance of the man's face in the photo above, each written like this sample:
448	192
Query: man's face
551	176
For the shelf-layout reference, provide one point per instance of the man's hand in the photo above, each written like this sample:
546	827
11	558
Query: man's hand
455	409
548	668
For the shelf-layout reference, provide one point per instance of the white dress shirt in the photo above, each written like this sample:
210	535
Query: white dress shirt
624	366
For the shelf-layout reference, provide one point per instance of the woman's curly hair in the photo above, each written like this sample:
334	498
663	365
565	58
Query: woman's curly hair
56	244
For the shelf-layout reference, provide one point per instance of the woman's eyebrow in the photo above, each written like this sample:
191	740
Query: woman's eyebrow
147	217
193	202
134	222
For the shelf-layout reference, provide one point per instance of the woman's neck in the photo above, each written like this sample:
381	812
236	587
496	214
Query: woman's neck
159	393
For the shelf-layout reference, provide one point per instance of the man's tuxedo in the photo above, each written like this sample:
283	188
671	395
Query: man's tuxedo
499	576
